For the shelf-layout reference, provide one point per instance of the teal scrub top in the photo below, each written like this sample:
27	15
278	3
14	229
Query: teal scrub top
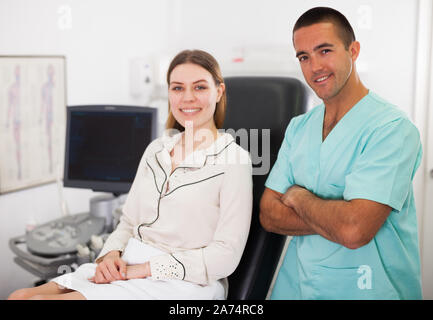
372	153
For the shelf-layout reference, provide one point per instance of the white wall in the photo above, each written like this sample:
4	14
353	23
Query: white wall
98	40
423	103
102	36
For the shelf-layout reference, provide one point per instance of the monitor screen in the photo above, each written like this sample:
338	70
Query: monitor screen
104	145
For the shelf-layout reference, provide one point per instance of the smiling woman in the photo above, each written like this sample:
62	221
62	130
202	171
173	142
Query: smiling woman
197	101
186	219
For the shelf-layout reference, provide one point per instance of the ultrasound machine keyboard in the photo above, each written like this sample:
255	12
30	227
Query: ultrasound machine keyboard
62	235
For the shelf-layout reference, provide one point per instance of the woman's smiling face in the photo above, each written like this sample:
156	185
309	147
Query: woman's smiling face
193	96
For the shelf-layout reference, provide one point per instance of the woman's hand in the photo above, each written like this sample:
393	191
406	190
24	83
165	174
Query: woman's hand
138	271
111	268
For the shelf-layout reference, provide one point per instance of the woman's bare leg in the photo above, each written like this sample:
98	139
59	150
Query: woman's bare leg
74	295
50	288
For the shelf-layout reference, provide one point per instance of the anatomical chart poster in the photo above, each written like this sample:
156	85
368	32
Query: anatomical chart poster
32	120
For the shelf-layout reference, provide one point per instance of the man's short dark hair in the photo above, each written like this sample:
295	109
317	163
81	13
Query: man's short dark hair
325	14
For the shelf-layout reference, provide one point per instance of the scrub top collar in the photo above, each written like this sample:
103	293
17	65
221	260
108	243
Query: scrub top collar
346	123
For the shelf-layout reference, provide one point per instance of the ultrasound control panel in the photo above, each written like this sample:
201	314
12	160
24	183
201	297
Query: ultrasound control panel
61	236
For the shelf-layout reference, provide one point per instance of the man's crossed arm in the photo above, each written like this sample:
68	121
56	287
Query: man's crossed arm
352	223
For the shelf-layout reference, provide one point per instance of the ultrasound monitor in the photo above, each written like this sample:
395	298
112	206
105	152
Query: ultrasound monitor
104	145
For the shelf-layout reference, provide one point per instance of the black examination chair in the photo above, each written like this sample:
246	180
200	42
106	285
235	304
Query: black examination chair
261	103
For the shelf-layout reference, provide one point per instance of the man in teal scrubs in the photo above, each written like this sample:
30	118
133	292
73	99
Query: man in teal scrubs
342	183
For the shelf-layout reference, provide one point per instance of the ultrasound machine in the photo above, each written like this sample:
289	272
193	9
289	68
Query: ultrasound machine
104	145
